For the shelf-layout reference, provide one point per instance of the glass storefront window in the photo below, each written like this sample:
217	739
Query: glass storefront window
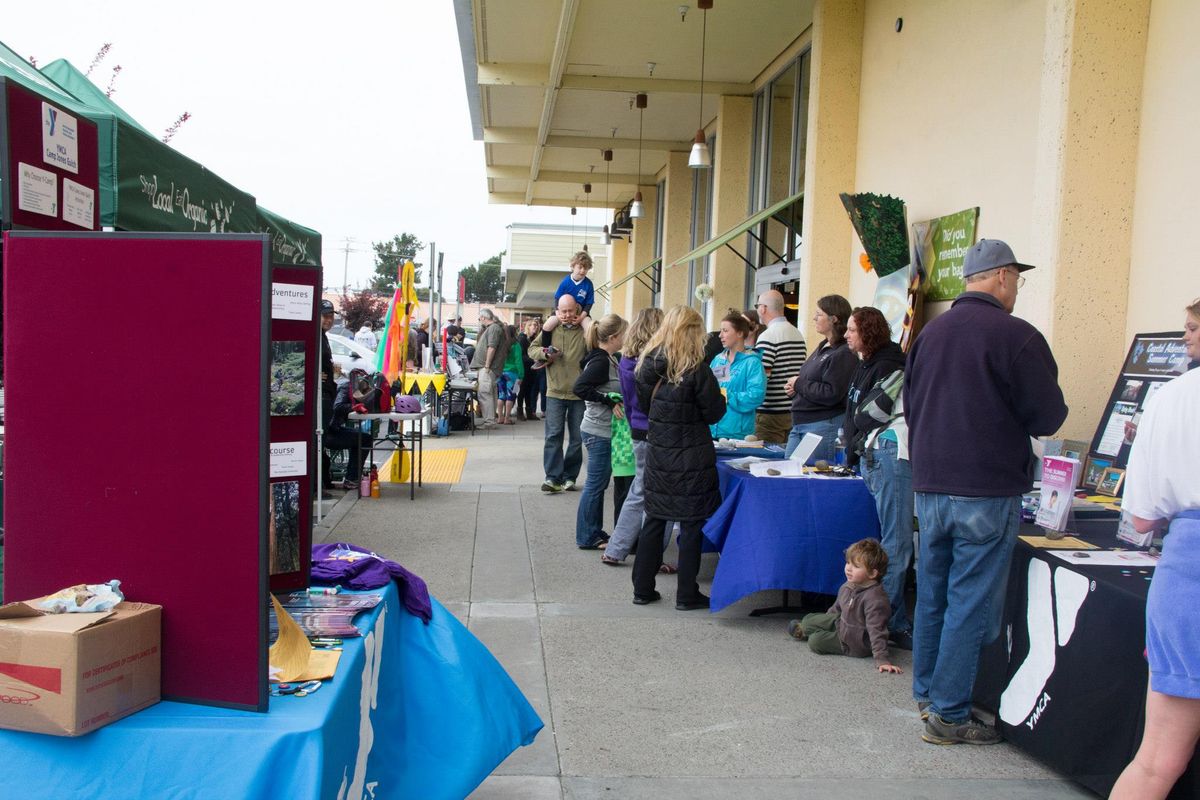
780	131
659	210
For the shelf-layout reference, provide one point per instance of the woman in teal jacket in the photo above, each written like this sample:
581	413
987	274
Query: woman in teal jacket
743	382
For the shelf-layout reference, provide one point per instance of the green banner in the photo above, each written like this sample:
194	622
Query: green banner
291	243
159	189
942	246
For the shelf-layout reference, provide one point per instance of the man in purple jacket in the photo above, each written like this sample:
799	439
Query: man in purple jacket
979	383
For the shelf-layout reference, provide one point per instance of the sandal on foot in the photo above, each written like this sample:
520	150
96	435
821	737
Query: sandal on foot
612	562
668	569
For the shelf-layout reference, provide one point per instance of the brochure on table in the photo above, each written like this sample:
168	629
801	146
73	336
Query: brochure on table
1060	476
167	489
1152	360
295	370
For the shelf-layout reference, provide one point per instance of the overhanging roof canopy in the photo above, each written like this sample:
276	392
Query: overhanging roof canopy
548	81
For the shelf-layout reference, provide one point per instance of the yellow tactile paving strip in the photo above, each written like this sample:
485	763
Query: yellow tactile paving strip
440	466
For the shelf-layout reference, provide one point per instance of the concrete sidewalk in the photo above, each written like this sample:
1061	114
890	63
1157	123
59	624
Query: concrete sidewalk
648	702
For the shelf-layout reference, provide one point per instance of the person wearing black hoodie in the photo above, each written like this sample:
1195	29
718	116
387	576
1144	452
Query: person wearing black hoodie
877	440
597	383
681	398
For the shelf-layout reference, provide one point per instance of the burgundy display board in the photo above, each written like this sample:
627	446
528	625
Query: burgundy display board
50	167
295	369
159	350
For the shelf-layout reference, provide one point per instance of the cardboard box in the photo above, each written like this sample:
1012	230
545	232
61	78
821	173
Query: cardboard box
68	674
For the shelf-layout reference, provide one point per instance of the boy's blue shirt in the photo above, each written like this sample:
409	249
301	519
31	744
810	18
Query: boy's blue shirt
583	292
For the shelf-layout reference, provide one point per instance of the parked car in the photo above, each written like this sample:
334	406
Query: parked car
349	354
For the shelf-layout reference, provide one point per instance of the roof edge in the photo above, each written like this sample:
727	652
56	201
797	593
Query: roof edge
464	18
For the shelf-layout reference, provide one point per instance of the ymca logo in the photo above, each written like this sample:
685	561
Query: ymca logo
52	118
1052	608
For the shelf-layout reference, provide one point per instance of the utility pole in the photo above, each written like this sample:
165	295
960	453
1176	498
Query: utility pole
346	249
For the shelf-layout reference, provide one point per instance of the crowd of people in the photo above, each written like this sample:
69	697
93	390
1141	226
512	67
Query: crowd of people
941	433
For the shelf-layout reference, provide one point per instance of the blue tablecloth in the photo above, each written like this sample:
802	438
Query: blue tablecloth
785	533
415	710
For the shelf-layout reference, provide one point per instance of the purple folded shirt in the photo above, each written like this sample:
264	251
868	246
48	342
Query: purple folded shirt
334	564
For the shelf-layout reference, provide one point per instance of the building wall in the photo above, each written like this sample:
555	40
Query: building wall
948	119
1163	275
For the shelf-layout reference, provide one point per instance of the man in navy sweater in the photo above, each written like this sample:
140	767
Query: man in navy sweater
979	383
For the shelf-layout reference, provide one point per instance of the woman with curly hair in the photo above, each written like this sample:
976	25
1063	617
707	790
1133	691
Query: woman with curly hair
681	398
876	434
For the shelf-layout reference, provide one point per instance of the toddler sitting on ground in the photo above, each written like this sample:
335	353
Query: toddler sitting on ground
856	625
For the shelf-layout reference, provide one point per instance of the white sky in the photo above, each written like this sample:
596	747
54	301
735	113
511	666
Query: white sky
350	118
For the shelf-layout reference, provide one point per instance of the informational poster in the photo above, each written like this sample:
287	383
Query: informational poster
1156	356
942	250
1152	360
79	204
291	301
60	138
288	458
37	190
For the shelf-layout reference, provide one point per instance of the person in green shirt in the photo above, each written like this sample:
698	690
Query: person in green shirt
509	383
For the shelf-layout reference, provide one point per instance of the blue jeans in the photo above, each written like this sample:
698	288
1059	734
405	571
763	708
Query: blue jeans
628	524
966	547
827	429
889	480
589	519
563	416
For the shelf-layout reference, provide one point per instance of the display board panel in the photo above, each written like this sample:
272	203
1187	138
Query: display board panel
162	480
50	167
295	369
1152	360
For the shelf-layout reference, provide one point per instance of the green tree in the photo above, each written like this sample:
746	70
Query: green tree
485	284
390	255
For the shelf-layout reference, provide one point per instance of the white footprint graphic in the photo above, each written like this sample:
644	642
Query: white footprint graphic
1070	589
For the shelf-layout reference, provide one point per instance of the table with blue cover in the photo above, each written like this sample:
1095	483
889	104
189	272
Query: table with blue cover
415	710
785	533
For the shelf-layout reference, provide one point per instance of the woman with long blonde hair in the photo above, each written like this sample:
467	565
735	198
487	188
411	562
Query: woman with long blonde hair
596	384
681	398
629	520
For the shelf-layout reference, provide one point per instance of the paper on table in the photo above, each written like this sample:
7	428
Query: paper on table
806	448
1065	543
294	657
1109	558
789	468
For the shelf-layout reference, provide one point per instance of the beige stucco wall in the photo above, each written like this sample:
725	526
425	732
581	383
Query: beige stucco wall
677	234
730	202
1164	274
948	118
838	60
619	257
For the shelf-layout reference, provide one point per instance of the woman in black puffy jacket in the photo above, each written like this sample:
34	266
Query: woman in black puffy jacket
681	398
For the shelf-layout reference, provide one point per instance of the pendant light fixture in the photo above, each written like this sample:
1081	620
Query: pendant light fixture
700	158
607	178
573	213
587	199
637	210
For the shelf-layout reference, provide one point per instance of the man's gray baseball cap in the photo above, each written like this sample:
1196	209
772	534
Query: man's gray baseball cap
990	254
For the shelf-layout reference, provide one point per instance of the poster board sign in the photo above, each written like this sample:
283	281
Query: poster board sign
50	167
942	248
295	372
168	462
1152	360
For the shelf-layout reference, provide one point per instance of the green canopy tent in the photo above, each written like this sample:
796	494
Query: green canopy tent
291	243
152	187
